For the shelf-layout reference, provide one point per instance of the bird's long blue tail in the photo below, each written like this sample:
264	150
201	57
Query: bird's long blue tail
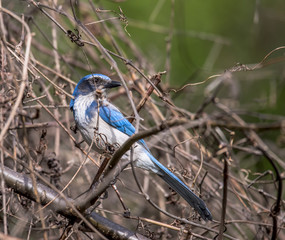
178	186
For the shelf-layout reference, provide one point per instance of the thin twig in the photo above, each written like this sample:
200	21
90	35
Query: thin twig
24	73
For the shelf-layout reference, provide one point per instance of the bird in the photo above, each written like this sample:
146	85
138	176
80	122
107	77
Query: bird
95	115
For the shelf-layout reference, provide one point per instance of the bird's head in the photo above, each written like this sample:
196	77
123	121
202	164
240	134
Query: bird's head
93	83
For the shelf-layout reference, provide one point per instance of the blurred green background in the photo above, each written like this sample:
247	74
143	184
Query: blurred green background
210	37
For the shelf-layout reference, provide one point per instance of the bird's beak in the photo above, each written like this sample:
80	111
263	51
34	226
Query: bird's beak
112	84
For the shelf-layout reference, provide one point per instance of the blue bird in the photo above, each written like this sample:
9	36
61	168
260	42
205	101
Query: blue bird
94	114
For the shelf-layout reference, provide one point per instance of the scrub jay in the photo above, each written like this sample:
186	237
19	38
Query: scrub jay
95	115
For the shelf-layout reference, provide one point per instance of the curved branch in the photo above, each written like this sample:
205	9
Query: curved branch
22	184
117	165
134	138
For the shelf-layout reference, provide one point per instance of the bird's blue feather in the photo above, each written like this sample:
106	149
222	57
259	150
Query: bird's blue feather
115	118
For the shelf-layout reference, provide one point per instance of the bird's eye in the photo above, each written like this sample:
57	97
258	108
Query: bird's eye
94	81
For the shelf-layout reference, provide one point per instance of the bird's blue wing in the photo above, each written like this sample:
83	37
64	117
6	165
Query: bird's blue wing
115	118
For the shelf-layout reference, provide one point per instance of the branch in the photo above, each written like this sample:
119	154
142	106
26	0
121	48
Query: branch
23	185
